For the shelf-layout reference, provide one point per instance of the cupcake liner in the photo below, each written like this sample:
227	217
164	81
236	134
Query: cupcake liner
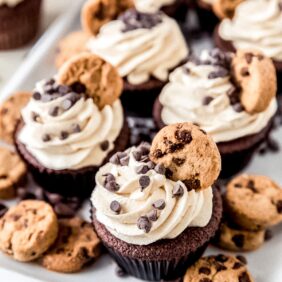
19	25
79	183
157	270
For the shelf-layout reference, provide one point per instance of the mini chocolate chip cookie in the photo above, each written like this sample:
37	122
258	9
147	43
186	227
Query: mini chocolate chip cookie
218	269
233	238
76	245
254	202
256	76
188	153
12	173
10	114
225	8
71	45
101	80
96	13
28	230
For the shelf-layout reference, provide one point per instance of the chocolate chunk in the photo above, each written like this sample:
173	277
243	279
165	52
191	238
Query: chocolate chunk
115	207
177	191
124	161
204	270
158	154
160	169
178	161
112	186
168	173
64	135
46	138
63	210
192	184
75	128
144	181
237	265
153	215
242	259
207	100
143	169
249	57
239	240
183	136
144	224
36	96
220	267
279	206
244	277
238	107
244	72
105	145
3	209
221	258
159	204
268	235
78	87
54	111
251	186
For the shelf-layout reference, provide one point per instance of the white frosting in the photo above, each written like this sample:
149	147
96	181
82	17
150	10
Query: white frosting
257	24
80	149
10	3
192	209
182	100
151	6
140	53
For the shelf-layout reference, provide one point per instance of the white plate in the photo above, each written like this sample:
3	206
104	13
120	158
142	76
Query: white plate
265	264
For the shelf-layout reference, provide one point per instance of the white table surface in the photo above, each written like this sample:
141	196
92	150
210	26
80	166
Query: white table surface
9	62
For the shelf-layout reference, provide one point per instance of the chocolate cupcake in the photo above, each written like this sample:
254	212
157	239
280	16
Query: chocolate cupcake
145	48
72	125
155	227
235	107
19	22
253	22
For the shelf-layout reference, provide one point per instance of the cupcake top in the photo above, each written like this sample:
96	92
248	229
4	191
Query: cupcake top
203	91
151	6
10	3
256	24
64	128
138	202
141	45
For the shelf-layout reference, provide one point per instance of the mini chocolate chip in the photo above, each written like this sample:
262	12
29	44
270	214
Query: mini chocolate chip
64	135
115	207
244	72
144	148
242	259
114	159
46	138
160	169
178	161
207	100
54	111
151	165
63	89
237	265
177	191
105	145
238	185
36	96
184	136
78	87
192	184
238	107
159	204
75	128
158	154
153	215
67	104
109	177
249	57
144	181
268	235
204	270
221	258
244	277
186	70
239	240
144	224
112	186
143	169
220	267
137	155
63	210
279	206
145	159
124	161
49	89
218	74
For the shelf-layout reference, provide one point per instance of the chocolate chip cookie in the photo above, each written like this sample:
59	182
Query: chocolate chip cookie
76	245
189	153
100	79
28	230
12	173
218	269
10	114
254	202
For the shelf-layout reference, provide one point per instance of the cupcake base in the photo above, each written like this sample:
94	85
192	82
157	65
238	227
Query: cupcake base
165	259
235	154
19	24
69	183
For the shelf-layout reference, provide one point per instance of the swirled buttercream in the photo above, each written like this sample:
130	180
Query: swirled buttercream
151	6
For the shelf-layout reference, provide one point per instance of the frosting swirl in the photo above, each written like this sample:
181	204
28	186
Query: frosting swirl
10	3
256	24
173	213
141	52
192	94
63	135
151	6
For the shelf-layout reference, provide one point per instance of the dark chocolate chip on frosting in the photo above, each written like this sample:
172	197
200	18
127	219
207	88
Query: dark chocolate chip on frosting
115	206
160	169
137	155
153	215
36	96
46	138
112	186
143	169
54	111
64	135
75	128
159	204
144	181
177	191
124	161
144	224
218	73
105	145
207	100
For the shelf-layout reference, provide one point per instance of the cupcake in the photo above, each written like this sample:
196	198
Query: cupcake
232	97
145	48
154	208
19	22
253	23
72	125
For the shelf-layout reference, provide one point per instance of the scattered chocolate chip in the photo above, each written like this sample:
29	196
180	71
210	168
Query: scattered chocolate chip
249	57
109	177
168	173
221	258
143	169
158	154
204	270
279	206
268	235
218	74
151	165
207	100
260	57
153	215
183	136
144	224
3	209
137	155
36	96
78	87
177	191
114	160
75	128
178	161
120	272
237	265
238	107
244	72
220	267
244	277
239	240
192	184
160	169
54	111
67	104
186	70
159	204
144	181
242	259
112	186
124	161
64	135
105	145
63	89
115	207
63	210
238	185
46	138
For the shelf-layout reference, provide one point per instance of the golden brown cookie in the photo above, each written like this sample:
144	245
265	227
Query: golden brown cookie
234	239
189	153
76	245
96	13
28	230
10	114
12	173
220	268
254	202
256	76
73	44
101	79
225	8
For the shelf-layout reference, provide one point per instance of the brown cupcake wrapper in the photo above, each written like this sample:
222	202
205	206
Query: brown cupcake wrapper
19	29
